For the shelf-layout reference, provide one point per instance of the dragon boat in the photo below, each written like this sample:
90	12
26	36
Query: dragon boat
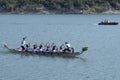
61	54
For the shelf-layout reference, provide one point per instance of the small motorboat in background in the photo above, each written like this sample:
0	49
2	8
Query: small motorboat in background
106	22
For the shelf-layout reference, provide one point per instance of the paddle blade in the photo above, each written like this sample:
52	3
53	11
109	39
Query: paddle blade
84	48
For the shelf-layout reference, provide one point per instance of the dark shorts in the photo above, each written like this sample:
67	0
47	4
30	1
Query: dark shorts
23	48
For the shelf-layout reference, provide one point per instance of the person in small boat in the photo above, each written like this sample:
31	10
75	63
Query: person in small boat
106	21
23	42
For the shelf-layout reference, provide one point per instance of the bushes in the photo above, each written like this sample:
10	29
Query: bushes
11	5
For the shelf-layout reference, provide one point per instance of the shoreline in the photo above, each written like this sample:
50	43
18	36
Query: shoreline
45	12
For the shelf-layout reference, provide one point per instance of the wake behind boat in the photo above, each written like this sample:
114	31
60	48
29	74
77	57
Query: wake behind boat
47	53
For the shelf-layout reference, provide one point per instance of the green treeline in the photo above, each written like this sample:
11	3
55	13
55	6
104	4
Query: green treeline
58	5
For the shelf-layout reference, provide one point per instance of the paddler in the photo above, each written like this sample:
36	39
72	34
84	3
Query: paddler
67	45
61	48
47	47
68	48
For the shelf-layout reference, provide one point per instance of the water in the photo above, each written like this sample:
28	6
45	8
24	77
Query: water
100	62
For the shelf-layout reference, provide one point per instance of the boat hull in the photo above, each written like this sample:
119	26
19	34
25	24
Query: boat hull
60	54
64	54
110	23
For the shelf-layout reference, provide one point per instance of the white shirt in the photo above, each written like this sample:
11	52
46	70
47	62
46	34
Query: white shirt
68	45
23	43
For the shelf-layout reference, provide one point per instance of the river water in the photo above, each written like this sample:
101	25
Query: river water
100	62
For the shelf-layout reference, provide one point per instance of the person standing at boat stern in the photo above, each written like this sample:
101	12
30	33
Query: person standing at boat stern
23	42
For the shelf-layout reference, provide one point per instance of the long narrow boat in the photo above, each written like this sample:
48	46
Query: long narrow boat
61	54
